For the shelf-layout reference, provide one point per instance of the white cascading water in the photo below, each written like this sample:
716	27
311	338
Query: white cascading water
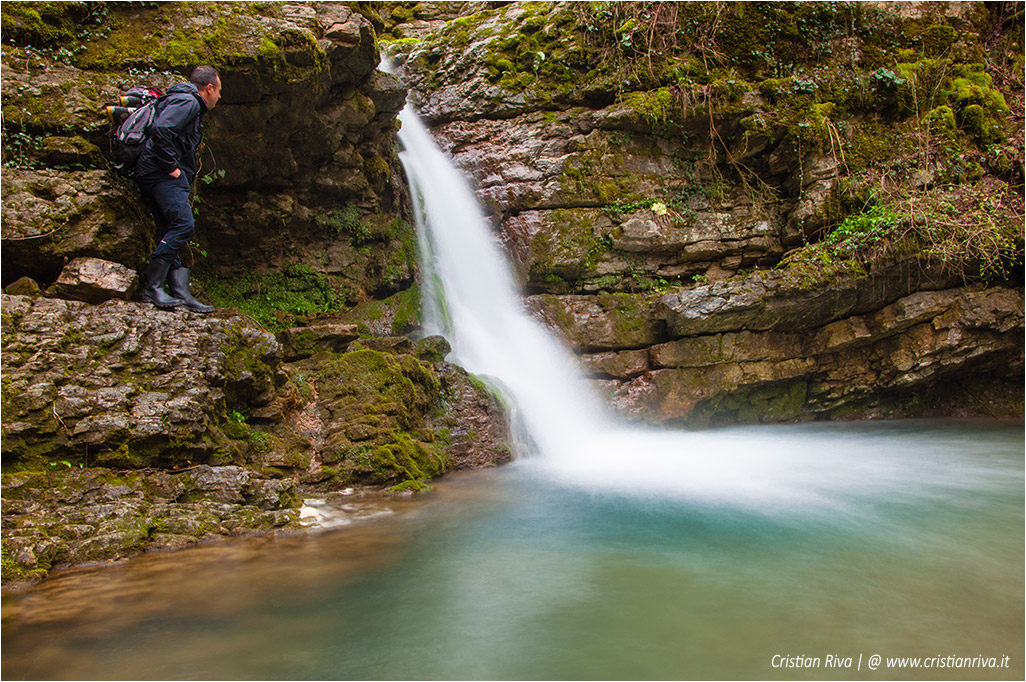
478	307
473	301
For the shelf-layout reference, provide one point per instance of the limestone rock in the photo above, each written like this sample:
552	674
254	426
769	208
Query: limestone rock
23	286
767	300
70	515
300	342
94	280
50	216
603	322
890	362
127	383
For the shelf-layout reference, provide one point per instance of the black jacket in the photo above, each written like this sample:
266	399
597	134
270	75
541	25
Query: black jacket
175	134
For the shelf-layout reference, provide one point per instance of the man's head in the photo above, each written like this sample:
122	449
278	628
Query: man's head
208	83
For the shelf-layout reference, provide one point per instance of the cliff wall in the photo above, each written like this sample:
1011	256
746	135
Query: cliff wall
742	212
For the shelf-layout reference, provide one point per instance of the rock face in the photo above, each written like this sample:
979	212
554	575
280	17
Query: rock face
725	210
893	361
298	166
128	428
126	384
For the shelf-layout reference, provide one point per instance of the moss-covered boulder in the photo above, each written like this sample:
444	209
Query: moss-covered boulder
52	216
388	417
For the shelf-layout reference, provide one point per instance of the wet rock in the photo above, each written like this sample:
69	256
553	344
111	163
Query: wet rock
476	422
909	357
24	286
66	151
432	348
133	512
767	300
619	364
603	322
301	342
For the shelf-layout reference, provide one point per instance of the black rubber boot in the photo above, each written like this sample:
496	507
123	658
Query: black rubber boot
156	273
178	285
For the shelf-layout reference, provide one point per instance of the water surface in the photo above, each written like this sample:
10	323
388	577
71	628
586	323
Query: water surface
914	549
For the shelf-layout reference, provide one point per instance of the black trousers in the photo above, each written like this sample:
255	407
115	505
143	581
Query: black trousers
168	201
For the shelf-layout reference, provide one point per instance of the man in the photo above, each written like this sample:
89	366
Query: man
165	171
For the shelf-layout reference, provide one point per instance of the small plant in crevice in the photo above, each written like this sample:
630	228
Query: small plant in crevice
346	220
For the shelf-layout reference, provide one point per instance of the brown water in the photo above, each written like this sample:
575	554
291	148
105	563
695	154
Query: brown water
519	574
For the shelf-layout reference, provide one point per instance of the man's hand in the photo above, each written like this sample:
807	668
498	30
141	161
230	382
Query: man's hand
175	173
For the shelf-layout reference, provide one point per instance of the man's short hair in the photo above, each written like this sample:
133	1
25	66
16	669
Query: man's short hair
203	75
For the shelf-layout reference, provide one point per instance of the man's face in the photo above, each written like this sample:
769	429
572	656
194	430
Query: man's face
211	92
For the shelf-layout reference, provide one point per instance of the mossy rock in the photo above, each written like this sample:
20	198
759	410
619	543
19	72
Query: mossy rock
49	24
399	459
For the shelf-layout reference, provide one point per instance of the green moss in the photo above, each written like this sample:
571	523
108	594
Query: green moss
409	486
977	87
44	23
384	401
399	386
407	311
282	299
655	106
937	39
628	312
846	251
143	37
270	51
941	119
377	169
983	127
13	571
245	357
870	145
771	403
402	459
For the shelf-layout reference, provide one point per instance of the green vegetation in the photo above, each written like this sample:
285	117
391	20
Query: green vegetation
281	299
52	25
14	571
347	220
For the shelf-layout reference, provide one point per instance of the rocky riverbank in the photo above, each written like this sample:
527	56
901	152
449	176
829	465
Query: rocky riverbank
127	428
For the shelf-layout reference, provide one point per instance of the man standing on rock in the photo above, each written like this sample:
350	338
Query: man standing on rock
165	171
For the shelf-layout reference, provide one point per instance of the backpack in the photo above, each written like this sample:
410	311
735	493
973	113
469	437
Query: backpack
130	126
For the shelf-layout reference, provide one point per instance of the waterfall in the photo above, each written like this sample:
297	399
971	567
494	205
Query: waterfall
471	298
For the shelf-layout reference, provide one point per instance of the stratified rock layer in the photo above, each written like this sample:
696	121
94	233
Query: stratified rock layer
730	212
